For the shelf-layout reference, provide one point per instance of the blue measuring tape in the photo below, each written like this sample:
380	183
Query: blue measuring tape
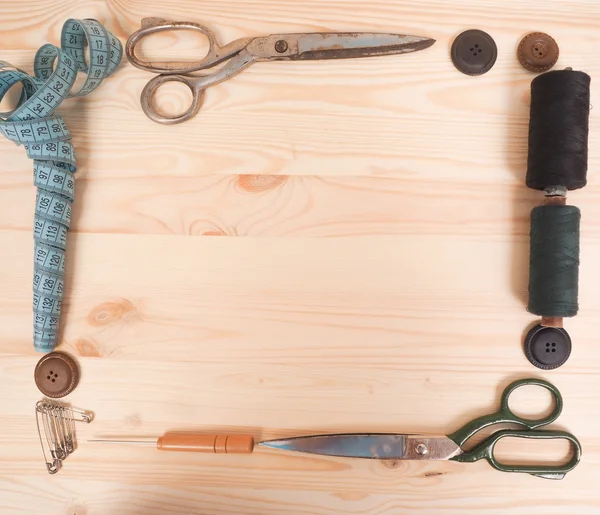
46	139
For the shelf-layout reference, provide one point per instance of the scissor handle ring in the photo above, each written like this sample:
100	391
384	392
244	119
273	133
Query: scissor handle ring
531	423
485	450
505	415
154	25
148	106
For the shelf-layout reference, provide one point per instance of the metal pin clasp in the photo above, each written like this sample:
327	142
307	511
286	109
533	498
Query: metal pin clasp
56	430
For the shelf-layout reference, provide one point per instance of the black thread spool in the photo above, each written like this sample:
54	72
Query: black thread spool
557	162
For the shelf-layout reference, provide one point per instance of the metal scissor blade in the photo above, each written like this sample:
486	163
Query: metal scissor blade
357	44
374	446
382	446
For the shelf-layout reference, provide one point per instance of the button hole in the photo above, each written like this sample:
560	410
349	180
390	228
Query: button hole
54	380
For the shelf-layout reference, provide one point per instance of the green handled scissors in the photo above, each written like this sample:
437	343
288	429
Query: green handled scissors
243	52
430	447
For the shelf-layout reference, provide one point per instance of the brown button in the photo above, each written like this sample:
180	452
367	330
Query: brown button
537	52
56	374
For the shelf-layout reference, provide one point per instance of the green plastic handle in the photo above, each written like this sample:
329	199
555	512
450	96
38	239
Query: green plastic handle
506	416
486	451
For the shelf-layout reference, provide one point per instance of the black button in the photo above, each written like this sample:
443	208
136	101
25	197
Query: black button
547	347
474	52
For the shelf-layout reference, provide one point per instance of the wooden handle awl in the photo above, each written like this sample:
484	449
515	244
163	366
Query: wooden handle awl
194	442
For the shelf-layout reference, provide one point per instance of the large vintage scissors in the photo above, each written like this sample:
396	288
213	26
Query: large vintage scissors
451	447
243	52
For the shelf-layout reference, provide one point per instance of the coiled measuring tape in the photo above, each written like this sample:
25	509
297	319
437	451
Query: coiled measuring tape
46	139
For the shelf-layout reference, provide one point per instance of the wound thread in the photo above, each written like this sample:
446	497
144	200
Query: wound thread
558	130
554	261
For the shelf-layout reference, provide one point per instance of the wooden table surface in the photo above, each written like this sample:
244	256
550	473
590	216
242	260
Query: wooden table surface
331	246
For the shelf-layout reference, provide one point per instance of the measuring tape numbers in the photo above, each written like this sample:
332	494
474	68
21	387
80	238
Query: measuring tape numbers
46	139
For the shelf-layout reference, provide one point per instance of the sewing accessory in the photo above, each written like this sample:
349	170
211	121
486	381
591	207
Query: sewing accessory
56	374
56	429
547	347
450	447
538	52
192	442
46	139
395	446
557	162
243	52
474	52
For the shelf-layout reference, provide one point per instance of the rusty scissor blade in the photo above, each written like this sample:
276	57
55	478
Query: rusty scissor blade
357	44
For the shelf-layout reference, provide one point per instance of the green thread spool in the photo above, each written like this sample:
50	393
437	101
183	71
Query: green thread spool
554	261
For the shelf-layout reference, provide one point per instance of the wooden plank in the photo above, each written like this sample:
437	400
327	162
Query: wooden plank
276	206
283	206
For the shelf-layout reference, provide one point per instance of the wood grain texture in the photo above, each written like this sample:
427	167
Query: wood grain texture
370	274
